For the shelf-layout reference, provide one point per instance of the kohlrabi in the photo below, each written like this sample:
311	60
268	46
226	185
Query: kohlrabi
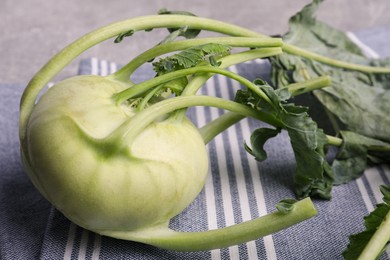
122	159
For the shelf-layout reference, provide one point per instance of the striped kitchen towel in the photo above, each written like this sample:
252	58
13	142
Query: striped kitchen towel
238	188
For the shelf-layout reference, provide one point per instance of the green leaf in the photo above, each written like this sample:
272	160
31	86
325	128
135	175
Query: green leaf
258	138
174	35
313	175
190	57
360	100
352	157
122	35
386	193
286	206
188	33
372	223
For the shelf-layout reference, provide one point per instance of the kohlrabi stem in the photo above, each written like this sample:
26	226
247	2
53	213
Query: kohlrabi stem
309	85
250	42
291	49
218	125
148	97
378	241
196	83
224	237
146	85
335	141
128	131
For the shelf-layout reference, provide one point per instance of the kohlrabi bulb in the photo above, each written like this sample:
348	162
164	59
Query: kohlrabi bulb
102	184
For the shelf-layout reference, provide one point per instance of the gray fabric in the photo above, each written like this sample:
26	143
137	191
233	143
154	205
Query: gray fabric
31	229
23	211
377	38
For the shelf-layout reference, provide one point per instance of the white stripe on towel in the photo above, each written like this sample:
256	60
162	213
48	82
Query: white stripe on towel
367	51
257	185
222	166
70	241
94	66
238	170
83	245
209	190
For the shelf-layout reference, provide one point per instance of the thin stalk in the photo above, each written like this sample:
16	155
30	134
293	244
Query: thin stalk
309	85
148	97
250	42
194	85
146	85
378	241
218	125
291	49
335	141
129	130
224	237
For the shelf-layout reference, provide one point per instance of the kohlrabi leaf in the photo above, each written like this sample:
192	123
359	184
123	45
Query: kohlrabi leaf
188	33
313	175
122	35
173	35
360	100
374	223
258	138
286	206
190	57
352	157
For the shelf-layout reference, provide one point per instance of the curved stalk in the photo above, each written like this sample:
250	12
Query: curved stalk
218	125
148	97
309	85
335	141
128	131
166	238
291	49
250	42
146	85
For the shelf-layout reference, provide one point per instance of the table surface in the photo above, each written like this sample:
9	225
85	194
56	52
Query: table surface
34	30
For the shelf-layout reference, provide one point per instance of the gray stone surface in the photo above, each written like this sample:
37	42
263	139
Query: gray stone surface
34	30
